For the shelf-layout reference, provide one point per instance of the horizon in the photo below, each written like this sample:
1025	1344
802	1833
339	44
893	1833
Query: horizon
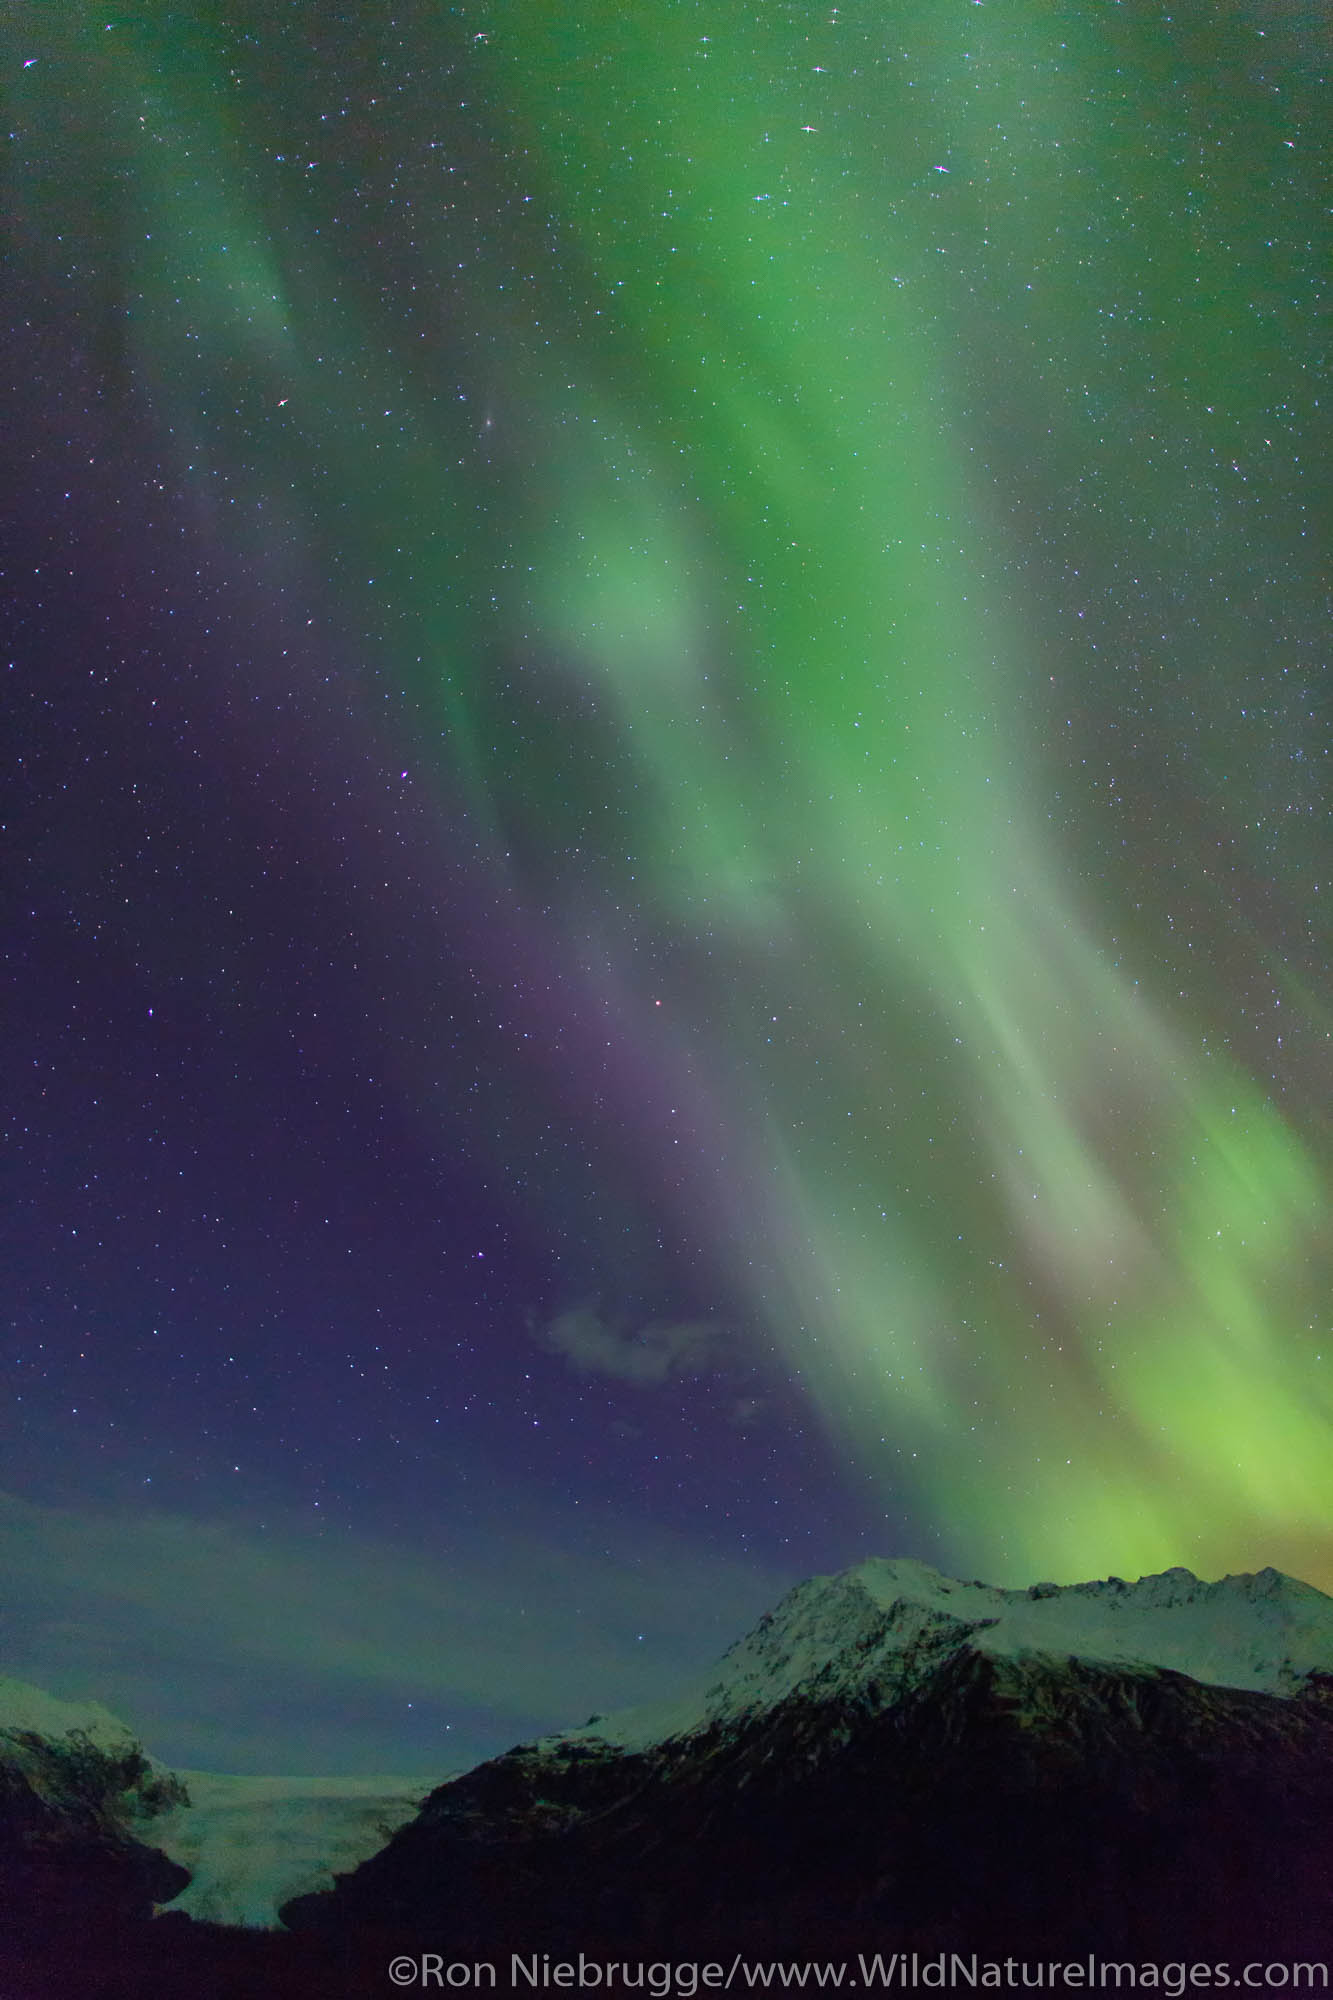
465	1752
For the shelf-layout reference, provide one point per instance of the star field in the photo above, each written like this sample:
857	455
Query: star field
667	838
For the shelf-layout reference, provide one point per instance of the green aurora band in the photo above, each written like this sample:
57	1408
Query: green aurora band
1044	1257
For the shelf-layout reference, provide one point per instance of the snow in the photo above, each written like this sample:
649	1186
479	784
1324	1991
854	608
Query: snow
252	1843
889	1623
1265	1632
24	1707
249	1843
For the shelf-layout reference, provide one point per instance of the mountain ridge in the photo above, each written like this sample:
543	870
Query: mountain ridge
893	1750
1262	1630
889	1758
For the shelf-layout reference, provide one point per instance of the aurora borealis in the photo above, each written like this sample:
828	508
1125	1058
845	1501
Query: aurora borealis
667	921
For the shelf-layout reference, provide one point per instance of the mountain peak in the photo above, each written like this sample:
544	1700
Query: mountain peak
870	1633
896	1752
25	1709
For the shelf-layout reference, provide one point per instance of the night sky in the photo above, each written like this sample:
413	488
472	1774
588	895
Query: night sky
665	865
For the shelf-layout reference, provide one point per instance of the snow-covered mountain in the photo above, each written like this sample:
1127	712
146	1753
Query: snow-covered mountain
1120	1767
76	1791
30	1711
234	1847
872	1633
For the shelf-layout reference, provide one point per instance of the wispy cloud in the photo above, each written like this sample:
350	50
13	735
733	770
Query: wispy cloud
647	1355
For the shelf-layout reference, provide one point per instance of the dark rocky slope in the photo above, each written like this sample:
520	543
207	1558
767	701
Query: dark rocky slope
1039	1807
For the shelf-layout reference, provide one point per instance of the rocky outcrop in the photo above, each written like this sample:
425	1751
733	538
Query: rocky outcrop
73	1804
